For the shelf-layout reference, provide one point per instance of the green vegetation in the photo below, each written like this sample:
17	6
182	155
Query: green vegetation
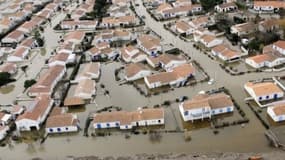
5	78
99	10
29	83
210	4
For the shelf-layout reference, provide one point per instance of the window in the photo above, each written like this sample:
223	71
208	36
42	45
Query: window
108	125
117	124
51	130
186	113
260	98
58	129
66	128
99	126
229	109
267	97
221	110
213	111
126	127
159	121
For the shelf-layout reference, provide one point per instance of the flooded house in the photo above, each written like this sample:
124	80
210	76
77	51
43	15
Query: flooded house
166	61
268	6
16	111
244	28
75	37
85	89
62	59
183	27
128	120
109	22
225	53
204	106
5	118
62	123
10	68
277	112
90	71
178	76
132	54
210	41
149	44
135	71
83	24
35	115
14	37
20	54
47	82
226	7
263	91
113	35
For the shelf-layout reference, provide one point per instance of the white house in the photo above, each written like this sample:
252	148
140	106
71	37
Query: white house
47	82
205	106
128	120
5	118
83	24
85	89
277	112
169	61
225	53
135	71
149	44
183	27
243	28
226	7
263	91
132	54
35	115
62	123
62	59
279	46
90	71
265	60
268	6
20	54
210	41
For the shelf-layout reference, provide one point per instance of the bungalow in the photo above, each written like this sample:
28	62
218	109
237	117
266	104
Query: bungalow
149	44
73	25
19	16
135	71
184	10
110	22
205	106
210	41
85	89
113	35
62	123
268	6
226	7
277	112
199	22
29	43
183	27
10	68
45	13
225	53
6	24
62	59
160	79
66	48
265	60
243	28
20	54
47	81
132	54
128	120
263	91
35	115
179	3
75	37
28	26
15	36
279	46
169	61
90	71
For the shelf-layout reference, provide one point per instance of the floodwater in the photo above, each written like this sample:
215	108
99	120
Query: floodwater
249	138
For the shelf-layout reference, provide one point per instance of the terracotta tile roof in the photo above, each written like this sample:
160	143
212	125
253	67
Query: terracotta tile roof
38	108
263	88
279	109
149	41
73	101
182	25
274	4
163	77
61	120
134	68
8	67
86	86
280	44
184	70
19	52
90	68
15	34
214	101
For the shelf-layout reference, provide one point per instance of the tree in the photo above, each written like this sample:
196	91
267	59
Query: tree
5	78
210	4
29	83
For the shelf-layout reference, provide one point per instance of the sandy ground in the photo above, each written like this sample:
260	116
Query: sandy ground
278	155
